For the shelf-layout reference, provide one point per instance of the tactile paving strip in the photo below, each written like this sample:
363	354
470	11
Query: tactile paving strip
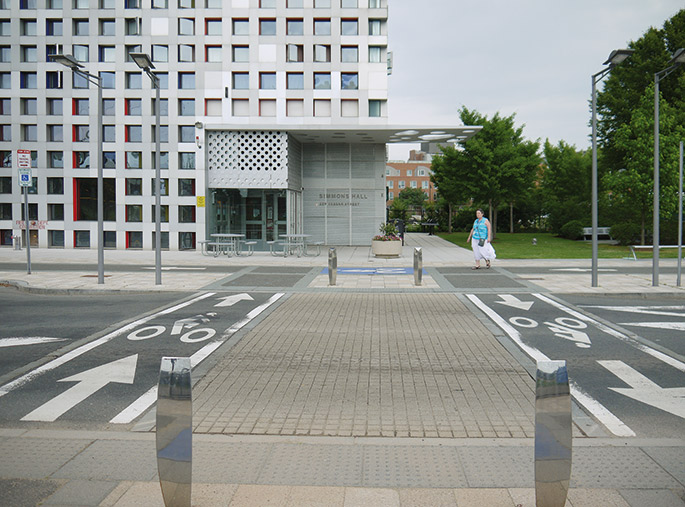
264	280
36	459
237	463
113	460
617	468
321	465
482	281
281	269
492	467
413	467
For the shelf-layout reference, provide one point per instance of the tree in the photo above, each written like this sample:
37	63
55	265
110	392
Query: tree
565	185
500	164
632	186
413	197
449	174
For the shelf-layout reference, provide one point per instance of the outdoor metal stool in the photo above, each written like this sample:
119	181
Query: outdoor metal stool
317	244
275	252
250	246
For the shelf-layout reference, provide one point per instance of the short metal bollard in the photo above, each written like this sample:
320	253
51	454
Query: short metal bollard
553	434
332	266
418	265
17	242
175	431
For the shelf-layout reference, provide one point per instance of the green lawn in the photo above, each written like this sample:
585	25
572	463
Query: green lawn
520	246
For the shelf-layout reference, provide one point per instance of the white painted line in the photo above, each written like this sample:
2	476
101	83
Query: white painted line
671	399
73	354
130	413
20	341
122	371
599	411
677	326
617	334
648	310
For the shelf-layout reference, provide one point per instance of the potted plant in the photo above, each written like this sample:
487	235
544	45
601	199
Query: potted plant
387	243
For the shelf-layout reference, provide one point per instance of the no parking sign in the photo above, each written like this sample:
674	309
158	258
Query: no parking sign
24	165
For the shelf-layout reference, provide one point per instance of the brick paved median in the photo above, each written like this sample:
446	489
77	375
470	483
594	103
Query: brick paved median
408	365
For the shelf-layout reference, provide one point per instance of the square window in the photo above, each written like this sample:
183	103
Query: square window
375	54
160	4
54	107
294	4
109	159
81	160
267	107
134	134
186	133
56	239
29	54
163	80
186	26
160	53
212	27
322	53
5	132
241	81
349	81
294	53
134	160
322	4
108	133
186	241
134	213
186	80
134	186
80	107
241	27
213	4
186	53
133	107
186	4
294	107
29	133
241	107
267	80
186	187
56	212
186	160
213	107
132	26
349	54
134	80
5	184
5	80
134	239
295	80
163	135
186	107
294	27
374	27
349	27
5	53
28	27
53	27
130	49
164	107
79	81
322	27
322	80
348	4
107	27
56	186
108	107
213	54
5	212
108	79
80	27
81	133
267	27
5	159
375	108
28	106
80	52
164	184
349	108
55	161
241	53
186	214
164	215
28	80
106	53
55	133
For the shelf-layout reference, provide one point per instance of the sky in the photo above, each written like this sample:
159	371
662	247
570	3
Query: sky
529	57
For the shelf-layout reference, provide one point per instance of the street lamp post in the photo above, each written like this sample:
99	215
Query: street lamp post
70	62
677	60
616	57
143	61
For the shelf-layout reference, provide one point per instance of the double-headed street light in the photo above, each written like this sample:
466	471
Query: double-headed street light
70	61
143	61
676	61
617	56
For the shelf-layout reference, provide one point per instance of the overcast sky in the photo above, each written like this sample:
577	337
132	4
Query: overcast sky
529	57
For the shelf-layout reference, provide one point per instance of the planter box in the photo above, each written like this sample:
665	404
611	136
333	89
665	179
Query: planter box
386	248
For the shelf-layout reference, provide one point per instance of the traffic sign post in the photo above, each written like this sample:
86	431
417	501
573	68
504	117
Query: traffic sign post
25	179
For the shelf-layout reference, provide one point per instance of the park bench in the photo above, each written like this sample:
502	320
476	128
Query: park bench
601	231
633	248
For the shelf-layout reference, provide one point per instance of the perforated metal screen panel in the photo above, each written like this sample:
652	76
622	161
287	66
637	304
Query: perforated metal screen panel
246	159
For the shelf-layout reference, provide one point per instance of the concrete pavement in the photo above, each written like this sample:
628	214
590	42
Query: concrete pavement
373	392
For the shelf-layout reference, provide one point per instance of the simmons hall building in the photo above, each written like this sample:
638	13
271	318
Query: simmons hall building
273	120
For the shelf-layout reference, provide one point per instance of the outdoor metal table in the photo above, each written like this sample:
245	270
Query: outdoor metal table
231	242
297	243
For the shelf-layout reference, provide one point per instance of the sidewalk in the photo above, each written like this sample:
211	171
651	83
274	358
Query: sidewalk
392	395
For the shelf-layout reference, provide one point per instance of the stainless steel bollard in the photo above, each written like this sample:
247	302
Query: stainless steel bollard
553	437
175	431
418	265
332	266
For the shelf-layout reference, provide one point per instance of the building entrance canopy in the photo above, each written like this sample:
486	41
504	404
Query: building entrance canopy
353	134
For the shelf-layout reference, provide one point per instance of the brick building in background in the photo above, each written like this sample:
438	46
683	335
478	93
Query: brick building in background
415	173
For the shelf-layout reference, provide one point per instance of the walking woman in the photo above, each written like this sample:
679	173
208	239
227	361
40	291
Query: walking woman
480	236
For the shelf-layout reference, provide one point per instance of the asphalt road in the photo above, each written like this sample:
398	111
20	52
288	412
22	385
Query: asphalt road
109	377
634	387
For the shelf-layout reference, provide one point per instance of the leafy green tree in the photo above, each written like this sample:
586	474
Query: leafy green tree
500	163
632	185
413	197
450	176
399	210
566	185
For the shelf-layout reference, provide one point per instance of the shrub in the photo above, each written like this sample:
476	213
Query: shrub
572	230
627	233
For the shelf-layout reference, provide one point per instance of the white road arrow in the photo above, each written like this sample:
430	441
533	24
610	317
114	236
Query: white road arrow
642	389
231	300
27	340
513	301
122	371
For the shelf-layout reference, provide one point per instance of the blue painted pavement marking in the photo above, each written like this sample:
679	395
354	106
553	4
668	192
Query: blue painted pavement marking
372	271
